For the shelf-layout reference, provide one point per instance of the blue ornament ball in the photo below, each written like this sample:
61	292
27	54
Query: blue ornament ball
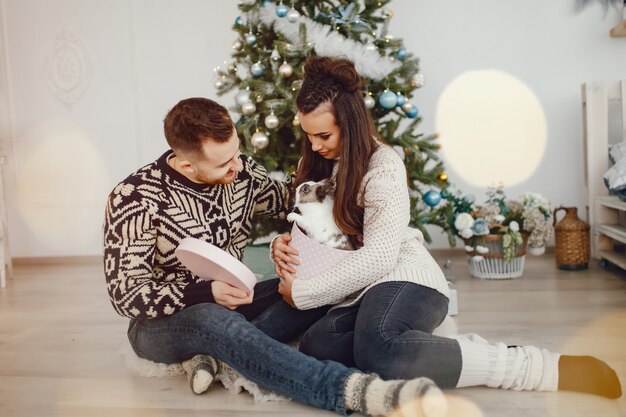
282	10
401	54
239	21
388	99
412	113
444	194
250	38
257	69
401	100
432	198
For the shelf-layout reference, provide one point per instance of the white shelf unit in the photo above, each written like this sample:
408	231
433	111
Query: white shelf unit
609	232
606	214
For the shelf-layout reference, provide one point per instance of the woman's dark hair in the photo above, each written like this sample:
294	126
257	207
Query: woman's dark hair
336	83
194	120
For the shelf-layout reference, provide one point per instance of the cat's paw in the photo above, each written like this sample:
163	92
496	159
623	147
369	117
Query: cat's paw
292	217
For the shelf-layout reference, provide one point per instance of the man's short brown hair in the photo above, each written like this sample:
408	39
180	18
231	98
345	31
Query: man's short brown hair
194	120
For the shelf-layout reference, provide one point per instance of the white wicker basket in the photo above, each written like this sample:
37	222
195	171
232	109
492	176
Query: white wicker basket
496	268
493	265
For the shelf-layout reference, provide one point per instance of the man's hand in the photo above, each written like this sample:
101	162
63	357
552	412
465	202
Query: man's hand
229	296
284	288
283	255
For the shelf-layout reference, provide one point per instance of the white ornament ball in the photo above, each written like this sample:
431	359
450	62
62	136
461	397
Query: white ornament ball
219	84
407	107
369	101
271	121
371	46
259	140
248	108
285	70
293	15
242	97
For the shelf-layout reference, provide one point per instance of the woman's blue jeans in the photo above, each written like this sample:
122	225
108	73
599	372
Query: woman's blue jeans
390	333
231	337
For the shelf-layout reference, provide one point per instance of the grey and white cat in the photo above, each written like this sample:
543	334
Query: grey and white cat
314	201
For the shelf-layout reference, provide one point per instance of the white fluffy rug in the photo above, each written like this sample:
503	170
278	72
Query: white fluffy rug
231	379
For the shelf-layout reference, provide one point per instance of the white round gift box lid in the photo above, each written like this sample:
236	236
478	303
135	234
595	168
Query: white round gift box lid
209	262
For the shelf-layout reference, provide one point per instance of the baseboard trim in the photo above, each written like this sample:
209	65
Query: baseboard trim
56	260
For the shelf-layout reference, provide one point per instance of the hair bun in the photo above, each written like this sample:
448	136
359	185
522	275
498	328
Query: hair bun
340	70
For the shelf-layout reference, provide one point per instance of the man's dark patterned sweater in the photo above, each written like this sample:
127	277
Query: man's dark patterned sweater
151	211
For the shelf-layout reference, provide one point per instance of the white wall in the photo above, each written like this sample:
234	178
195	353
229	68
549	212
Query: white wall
136	58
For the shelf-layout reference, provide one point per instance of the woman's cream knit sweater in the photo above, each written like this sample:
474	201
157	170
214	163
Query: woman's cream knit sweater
392	251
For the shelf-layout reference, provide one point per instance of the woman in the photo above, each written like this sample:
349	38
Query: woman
389	295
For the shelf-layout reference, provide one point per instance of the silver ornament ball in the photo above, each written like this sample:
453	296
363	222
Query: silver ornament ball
285	70
242	97
248	108
271	121
259	140
219	84
369	101
293	15
406	107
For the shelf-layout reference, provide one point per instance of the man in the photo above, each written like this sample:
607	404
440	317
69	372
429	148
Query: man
205	188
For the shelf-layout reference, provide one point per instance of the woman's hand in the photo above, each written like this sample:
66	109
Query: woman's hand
283	255
284	288
228	296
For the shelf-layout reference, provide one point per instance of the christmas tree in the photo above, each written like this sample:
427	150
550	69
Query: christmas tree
274	39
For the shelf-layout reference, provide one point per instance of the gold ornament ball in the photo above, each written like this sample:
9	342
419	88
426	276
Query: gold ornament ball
232	68
296	121
443	177
387	13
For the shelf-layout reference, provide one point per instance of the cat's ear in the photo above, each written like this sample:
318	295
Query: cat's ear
330	185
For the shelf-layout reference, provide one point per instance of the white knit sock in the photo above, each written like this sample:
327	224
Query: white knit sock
498	366
419	397
201	371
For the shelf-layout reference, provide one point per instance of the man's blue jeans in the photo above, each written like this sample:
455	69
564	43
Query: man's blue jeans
229	336
390	333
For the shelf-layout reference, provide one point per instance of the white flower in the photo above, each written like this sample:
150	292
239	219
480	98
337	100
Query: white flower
463	221
477	258
499	218
514	226
482	249
466	233
468	248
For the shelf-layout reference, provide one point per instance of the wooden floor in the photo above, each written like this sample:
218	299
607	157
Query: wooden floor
60	344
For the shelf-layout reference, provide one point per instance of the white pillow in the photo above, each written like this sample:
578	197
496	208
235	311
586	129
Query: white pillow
617	152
